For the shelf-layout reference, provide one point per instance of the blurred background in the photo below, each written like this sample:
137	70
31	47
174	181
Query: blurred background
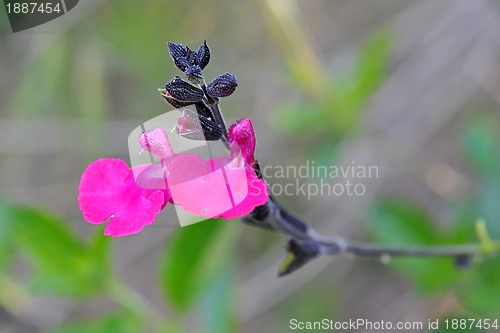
412	87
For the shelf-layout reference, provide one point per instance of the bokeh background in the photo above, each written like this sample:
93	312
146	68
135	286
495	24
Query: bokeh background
412	87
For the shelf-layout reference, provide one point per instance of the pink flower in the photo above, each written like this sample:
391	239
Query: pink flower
108	191
200	186
224	187
242	136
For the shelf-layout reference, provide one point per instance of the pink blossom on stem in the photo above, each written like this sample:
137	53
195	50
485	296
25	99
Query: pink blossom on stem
242	136
226	187
108	191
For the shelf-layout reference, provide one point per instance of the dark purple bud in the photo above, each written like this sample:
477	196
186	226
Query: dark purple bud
175	103
462	261
191	57
172	101
203	55
194	74
183	91
181	63
222	86
177	50
179	54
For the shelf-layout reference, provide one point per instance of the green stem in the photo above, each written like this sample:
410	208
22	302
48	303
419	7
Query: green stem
430	251
487	245
339	245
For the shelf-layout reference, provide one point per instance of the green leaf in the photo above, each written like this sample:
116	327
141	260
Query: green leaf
192	259
323	154
46	239
398	223
372	65
480	143
487	204
352	94
64	265
5	235
479	286
116	323
216	310
300	117
100	248
341	111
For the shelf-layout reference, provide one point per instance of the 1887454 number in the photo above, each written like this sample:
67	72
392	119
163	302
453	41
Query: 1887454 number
33	7
468	324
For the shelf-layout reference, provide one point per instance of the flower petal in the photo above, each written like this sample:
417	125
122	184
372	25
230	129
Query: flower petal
258	195
215	188
156	142
242	135
203	189
108	191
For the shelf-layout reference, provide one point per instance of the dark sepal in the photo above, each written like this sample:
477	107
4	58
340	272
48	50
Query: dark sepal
293	222
259	217
222	86
208	118
272	216
203	55
175	103
191	57
203	110
183	91
194	74
300	252
179	54
172	101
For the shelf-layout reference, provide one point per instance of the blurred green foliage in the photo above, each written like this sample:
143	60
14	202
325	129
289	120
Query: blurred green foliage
401	223
119	322
108	67
63	264
217	310
324	120
196	267
396	222
194	257
339	111
33	97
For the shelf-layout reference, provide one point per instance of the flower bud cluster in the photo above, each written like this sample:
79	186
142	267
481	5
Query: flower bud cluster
180	93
